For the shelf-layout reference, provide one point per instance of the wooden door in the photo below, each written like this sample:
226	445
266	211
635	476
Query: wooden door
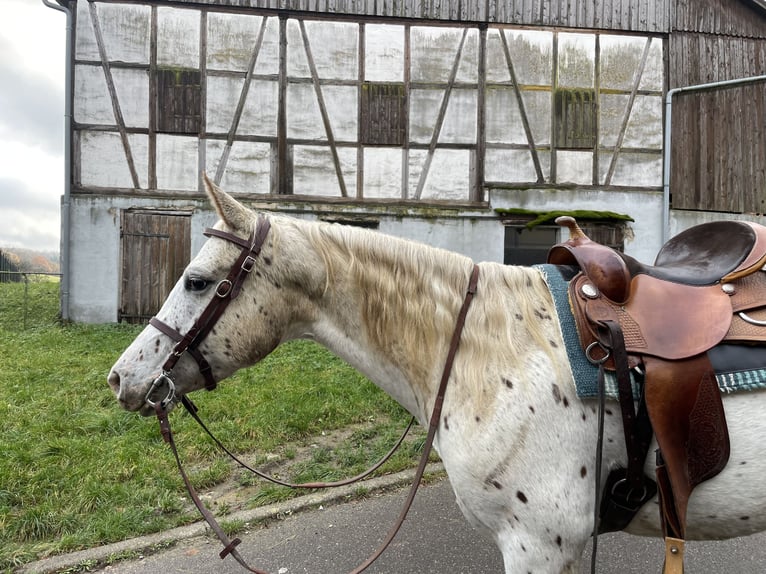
155	249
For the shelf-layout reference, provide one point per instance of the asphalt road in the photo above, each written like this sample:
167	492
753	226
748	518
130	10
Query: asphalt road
434	539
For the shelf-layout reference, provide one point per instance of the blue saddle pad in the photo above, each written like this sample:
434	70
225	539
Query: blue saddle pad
737	367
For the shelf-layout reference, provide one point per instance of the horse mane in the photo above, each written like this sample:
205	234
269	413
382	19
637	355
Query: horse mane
410	294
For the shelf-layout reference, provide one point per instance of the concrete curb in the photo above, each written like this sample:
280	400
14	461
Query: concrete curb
103	554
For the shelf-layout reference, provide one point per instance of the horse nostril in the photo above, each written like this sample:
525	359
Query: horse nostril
114	381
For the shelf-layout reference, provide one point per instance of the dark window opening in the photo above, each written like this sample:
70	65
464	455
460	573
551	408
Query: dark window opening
528	246
575	118
525	246
384	114
179	101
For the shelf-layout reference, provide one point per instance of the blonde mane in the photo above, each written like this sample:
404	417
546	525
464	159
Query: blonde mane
410	295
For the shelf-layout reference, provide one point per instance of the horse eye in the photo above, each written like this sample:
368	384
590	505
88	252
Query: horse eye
196	284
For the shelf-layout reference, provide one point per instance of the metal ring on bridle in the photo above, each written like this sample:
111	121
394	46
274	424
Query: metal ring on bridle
164	378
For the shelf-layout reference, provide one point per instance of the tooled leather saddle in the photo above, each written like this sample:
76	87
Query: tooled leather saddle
657	324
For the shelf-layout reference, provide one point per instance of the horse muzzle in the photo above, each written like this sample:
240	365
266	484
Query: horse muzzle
161	393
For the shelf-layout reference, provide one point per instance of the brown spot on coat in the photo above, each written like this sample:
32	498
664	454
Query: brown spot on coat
583	471
556	393
521	496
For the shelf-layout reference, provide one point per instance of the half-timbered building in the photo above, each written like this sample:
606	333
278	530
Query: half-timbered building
452	122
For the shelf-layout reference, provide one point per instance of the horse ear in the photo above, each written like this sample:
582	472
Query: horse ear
233	213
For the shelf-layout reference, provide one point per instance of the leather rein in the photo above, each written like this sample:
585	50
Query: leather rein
226	291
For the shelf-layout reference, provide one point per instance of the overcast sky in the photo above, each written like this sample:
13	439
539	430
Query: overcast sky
32	46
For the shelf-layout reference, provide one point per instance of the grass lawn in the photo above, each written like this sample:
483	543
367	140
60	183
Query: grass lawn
76	471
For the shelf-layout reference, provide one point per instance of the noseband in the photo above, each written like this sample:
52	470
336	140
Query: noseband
225	292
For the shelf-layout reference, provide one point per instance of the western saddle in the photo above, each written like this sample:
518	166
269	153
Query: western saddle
655	325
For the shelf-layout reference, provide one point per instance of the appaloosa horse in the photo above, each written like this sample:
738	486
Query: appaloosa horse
518	445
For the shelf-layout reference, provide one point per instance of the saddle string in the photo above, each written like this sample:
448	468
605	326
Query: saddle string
230	546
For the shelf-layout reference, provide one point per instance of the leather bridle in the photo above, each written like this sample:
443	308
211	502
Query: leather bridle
225	292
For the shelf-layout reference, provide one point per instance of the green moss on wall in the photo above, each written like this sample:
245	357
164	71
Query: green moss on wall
540	217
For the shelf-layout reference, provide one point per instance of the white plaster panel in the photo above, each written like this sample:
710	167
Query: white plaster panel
85	47
654	72
259	117
231	40
268	57
503	118
178	37
532	56
645	125
460	118
297	63
434	51
92	104
537	105
335	48
384	53
620	59
341	105
424	109
248	168
382	172
132	87
127	30
124	27
103	161
638	169
303	118
314	171
574	167
612	109
222	96
577	57
497	68
448	176
177	159
511	165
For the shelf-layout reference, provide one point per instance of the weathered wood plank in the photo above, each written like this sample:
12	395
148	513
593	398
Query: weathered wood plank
636	15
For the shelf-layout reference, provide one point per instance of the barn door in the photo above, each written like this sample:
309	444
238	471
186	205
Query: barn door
155	249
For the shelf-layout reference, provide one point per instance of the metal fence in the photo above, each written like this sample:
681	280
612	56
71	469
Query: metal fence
29	299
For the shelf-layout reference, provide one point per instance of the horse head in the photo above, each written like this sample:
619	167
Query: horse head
235	302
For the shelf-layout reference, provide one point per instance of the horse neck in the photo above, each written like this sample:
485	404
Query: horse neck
389	309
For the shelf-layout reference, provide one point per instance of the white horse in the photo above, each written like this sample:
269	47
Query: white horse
516	442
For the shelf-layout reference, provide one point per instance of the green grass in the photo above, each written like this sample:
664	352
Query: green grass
76	471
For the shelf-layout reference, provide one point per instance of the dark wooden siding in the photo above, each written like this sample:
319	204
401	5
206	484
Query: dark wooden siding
719	150
704	58
725	17
635	15
155	250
